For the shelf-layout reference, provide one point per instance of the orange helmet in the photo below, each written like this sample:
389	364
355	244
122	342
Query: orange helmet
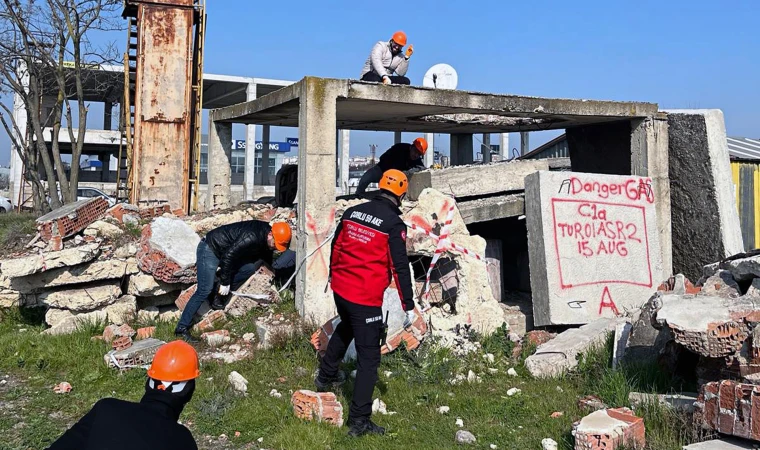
282	235
421	145
399	37
395	182
175	361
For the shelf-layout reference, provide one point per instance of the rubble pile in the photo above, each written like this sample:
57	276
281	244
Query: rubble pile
101	273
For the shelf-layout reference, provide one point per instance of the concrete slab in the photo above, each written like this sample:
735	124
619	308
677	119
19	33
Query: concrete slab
492	208
705	221
721	444
559	355
176	239
28	265
593	245
98	270
475	180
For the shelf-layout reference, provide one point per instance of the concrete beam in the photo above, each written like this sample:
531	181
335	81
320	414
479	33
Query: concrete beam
492	208
524	143
470	181
396	137
276	98
485	148
504	146
316	194
461	149
250	148
219	158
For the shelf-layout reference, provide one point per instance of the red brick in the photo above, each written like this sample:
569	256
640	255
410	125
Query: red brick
322	406
156	263
633	433
112	331
121	343
211	321
145	332
755	414
742	426
184	297
65	225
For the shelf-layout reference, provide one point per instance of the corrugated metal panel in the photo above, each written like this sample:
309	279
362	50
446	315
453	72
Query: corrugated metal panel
746	177
743	148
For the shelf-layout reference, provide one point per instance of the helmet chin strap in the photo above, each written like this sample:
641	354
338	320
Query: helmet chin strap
171	386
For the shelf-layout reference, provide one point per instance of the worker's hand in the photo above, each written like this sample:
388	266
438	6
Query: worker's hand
410	318
409	51
386	79
224	290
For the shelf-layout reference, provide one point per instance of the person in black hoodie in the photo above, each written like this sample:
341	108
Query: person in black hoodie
151	424
368	251
404	157
227	249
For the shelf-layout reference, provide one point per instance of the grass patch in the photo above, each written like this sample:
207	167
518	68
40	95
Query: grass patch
16	230
418	383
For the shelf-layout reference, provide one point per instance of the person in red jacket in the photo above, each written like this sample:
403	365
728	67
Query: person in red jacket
368	252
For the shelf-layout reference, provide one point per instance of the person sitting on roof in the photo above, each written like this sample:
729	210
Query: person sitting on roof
386	59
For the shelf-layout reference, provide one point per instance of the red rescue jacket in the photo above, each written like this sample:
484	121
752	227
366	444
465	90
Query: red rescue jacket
368	251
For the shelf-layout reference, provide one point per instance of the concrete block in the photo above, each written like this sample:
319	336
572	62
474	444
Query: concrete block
82	299
477	180
705	221
622	334
494	257
101	228
722	284
238	382
593	245
608	429
492	208
560	354
711	326
70	219
679	402
169	314
743	269
99	270
141	353
267	330
123	310
319	406
124	213
721	444
216	338
28	265
144	285
167	250
73	322
149	314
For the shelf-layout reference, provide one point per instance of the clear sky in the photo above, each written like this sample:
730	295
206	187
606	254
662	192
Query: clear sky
677	53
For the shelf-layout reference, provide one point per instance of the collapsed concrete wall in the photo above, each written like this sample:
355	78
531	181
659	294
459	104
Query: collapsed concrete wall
705	221
593	245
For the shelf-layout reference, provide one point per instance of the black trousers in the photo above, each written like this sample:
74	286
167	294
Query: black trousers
363	324
373	77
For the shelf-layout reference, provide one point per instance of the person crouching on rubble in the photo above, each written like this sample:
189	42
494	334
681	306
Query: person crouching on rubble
369	249
227	249
151	424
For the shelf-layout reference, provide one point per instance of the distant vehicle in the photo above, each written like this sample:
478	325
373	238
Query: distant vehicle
88	192
5	205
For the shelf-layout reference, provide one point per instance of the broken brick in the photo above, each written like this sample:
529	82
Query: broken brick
211	321
121	343
70	219
145	333
216	338
156	262
184	297
113	331
608	429
730	408
319	406
591	403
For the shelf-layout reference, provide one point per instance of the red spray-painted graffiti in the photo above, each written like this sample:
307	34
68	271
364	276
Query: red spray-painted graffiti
634	189
595	240
320	261
608	302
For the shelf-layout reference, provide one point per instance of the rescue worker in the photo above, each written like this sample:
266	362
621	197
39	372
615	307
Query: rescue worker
368	251
151	424
386	58
402	156
227	248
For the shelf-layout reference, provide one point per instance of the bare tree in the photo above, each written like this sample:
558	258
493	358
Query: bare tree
46	52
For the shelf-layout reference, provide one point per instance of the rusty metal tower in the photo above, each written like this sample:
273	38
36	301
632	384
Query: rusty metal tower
162	102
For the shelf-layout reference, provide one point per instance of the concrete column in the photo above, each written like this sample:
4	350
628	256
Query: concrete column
485	149
107	116
218	194
429	157
17	164
316	194
461	149
105	160
345	142
504	146
265	155
524	142
250	148
396	137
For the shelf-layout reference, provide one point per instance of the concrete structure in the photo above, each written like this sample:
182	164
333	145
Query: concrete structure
319	107
701	191
721	444
593	245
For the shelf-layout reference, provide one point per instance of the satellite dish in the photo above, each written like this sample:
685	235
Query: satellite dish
441	76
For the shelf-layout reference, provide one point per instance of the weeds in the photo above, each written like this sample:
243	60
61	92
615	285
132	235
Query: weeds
16	230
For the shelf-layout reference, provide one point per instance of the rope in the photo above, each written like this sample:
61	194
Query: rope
300	264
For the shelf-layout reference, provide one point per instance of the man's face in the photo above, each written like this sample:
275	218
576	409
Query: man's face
270	241
414	152
396	48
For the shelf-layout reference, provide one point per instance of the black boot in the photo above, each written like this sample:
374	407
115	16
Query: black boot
325	384
218	302
184	333
360	427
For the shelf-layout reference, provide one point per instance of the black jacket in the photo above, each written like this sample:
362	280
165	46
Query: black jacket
238	243
120	425
368	252
397	157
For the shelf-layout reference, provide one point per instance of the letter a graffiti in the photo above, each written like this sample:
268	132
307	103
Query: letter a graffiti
608	303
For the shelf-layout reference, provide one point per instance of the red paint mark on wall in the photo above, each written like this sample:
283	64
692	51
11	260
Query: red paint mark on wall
609	239
607	302
321	259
